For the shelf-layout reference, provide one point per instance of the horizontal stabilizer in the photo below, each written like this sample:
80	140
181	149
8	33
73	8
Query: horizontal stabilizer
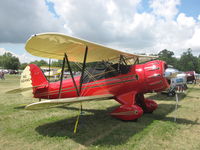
19	90
58	102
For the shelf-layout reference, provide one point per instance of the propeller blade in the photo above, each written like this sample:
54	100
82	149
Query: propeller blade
170	75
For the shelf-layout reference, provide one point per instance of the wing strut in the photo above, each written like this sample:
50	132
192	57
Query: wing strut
123	59
70	70
82	74
65	59
136	61
78	91
80	84
49	75
61	78
83	68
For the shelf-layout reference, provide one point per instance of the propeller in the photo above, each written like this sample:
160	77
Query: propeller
171	73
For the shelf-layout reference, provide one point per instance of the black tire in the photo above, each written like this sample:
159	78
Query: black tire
171	93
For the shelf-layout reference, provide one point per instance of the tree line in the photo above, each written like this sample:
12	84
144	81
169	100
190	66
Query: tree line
186	62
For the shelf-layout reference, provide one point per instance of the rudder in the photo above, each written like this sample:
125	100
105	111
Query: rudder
32	76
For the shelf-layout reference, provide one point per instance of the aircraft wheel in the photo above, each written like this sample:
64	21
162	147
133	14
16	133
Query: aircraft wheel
171	93
135	120
150	112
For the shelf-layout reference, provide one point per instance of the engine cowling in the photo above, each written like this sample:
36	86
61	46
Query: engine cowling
154	76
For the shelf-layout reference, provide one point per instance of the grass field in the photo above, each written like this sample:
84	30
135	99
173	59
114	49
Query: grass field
53	128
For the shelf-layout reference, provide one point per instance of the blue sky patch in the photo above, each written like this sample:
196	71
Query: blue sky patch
50	6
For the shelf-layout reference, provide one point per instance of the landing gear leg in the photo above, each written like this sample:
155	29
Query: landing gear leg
147	105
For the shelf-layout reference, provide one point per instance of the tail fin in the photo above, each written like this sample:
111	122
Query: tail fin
32	76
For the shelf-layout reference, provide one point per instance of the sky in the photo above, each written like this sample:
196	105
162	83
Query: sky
134	26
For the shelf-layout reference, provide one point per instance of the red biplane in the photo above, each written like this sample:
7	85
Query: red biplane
116	75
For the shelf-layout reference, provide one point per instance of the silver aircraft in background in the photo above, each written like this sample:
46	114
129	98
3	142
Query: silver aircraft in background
178	82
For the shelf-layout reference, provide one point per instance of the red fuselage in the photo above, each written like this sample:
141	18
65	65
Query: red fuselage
141	78
127	87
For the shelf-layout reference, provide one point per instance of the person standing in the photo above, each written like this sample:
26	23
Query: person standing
2	75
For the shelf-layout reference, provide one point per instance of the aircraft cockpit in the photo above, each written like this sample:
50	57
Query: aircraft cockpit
107	69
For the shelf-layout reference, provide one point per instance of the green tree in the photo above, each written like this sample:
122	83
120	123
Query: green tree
188	62
57	63
8	61
1	61
23	66
198	71
39	63
75	66
167	56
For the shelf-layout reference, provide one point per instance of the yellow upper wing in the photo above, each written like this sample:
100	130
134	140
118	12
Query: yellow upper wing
53	45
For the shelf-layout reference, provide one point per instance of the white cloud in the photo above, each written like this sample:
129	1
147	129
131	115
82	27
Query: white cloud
99	20
185	21
115	23
21	19
118	24
165	8
194	41
25	57
2	51
198	17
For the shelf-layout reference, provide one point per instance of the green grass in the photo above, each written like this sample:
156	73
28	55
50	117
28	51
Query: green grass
53	128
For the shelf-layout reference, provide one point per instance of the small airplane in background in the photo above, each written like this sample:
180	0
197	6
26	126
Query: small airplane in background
178	81
116	75
51	71
191	76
